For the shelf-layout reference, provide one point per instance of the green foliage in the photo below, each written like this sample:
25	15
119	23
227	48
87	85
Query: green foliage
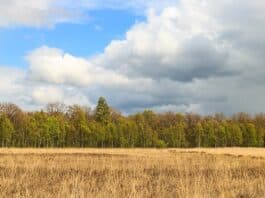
250	135
199	134
160	144
102	111
235	137
76	126
6	130
221	136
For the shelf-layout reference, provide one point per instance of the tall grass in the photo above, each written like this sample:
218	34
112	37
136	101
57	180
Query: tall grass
130	173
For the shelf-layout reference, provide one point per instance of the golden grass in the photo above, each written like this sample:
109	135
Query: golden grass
228	172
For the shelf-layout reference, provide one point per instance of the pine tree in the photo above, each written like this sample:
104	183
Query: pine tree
102	111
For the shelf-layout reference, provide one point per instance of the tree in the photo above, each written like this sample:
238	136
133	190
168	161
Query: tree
235	134
174	135
260	125
79	126
56	108
260	136
102	114
199	134
42	129
54	131
79	130
209	129
191	134
250	135
6	130
221	135
19	121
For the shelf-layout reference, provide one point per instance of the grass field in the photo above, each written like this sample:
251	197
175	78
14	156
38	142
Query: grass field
226	172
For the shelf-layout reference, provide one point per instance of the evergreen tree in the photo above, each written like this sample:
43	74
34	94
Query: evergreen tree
102	111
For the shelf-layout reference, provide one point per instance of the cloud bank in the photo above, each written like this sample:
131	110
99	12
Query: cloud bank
198	55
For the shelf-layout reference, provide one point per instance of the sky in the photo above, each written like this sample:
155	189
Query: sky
201	56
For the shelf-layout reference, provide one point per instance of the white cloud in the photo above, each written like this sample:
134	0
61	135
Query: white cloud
8	78
30	95
166	46
202	55
44	95
54	66
47	13
10	85
36	13
13	87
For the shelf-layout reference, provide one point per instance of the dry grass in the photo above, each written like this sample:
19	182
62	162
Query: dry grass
104	173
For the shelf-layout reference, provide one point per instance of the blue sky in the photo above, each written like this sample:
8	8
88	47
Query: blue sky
85	39
199	56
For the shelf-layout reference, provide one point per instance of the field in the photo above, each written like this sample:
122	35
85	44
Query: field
224	172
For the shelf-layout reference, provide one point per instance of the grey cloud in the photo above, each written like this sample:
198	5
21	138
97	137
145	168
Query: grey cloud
146	52
201	57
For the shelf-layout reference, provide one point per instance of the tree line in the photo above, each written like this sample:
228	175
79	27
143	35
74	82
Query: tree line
59	125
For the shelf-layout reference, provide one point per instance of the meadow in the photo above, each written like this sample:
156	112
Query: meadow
220	172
